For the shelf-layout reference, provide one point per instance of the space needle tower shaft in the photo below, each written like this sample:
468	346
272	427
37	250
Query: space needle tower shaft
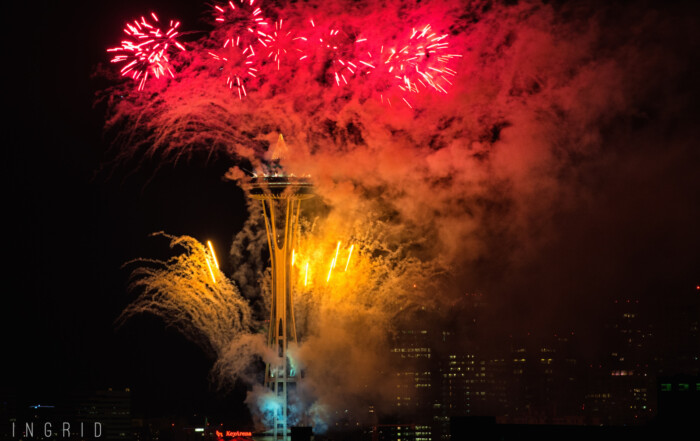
281	196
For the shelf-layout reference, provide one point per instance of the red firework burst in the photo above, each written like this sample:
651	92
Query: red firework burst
342	50
421	62
237	63
241	16
281	44
148	50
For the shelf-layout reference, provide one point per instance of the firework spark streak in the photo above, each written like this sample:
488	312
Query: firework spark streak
213	254
148	50
349	255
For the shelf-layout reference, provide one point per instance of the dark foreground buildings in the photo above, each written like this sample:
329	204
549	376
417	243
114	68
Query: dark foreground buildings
449	383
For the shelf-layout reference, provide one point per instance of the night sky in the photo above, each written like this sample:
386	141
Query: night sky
75	220
75	217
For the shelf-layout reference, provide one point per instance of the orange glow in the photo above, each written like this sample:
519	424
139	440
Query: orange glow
213	254
306	274
349	255
292	257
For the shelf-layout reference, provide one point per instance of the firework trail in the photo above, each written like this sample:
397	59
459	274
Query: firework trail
190	293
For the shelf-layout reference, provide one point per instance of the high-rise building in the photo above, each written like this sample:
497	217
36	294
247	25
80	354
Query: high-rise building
110	408
412	380
620	387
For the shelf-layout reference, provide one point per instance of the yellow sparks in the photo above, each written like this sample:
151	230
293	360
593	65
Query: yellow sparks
292	256
329	271
349	255
216	262
211	271
306	274
335	259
